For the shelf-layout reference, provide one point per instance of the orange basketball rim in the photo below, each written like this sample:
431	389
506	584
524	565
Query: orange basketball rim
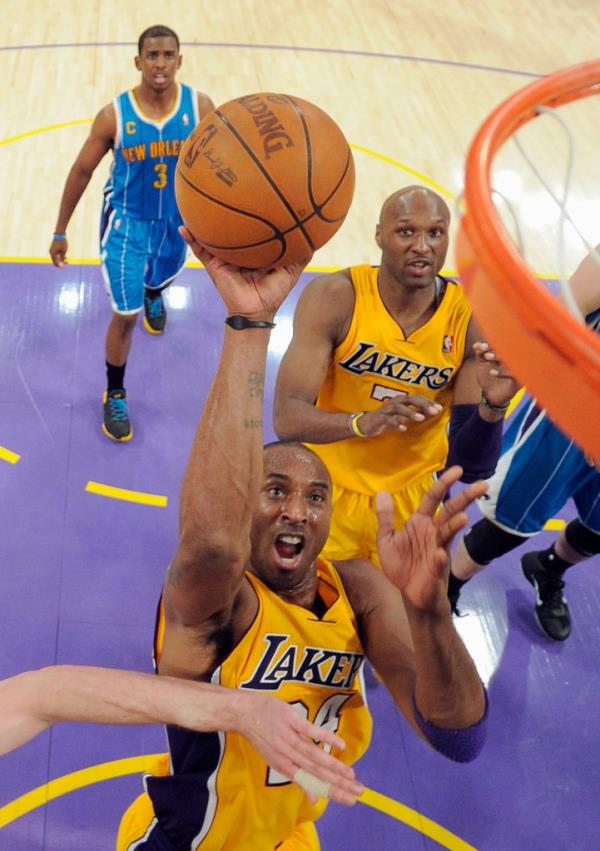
544	346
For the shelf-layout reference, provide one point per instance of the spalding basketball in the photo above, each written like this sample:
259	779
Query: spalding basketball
265	180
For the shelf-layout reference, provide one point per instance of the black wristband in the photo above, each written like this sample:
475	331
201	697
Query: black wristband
486	402
238	322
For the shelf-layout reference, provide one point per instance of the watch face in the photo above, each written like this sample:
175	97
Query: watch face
238	323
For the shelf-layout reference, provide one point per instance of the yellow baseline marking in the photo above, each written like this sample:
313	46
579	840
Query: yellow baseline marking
127	495
7	455
555	525
78	261
415	820
441	189
138	764
191	264
70	782
10	139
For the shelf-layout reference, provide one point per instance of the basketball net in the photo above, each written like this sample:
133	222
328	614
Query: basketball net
540	338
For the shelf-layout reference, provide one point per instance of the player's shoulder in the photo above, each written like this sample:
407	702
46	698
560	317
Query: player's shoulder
330	287
363	583
105	121
328	300
205	104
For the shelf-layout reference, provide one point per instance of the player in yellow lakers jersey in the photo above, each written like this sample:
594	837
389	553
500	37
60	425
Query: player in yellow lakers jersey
247	602
381	359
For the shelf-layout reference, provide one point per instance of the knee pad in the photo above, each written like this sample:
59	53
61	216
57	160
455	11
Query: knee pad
583	540
485	541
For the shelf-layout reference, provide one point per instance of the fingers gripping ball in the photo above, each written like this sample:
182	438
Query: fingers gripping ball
264	180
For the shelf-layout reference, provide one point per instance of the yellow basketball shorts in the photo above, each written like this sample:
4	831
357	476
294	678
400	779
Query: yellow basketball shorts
138	819
353	532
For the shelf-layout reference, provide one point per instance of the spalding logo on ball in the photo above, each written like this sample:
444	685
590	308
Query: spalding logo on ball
265	180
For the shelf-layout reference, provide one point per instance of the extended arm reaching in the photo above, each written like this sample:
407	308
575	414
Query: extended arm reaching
31	702
224	469
406	624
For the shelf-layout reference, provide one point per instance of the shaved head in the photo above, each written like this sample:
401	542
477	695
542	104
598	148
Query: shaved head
295	449
412	233
403	200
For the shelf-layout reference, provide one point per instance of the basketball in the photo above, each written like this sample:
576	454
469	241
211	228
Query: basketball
264	180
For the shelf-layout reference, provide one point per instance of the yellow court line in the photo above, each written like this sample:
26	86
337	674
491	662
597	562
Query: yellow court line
70	782
441	189
127	495
191	264
7	455
75	261
10	139
196	264
138	764
414	819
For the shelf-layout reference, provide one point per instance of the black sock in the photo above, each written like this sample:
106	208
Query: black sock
454	585
152	292
115	376
552	563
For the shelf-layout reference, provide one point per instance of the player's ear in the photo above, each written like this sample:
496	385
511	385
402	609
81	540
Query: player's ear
179	62
138	62
378	235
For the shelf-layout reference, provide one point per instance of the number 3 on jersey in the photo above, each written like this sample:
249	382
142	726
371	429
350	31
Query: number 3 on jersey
327	717
161	172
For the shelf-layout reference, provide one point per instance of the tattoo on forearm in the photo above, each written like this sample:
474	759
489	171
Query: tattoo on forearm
256	383
253	423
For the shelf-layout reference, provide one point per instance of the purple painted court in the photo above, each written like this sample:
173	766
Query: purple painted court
81	574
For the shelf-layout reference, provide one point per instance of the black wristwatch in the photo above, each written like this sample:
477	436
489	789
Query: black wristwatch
238	322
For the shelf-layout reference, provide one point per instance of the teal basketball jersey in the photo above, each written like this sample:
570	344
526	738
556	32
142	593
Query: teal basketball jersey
141	182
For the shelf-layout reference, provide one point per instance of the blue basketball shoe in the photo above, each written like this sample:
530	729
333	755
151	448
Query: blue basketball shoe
116	423
155	313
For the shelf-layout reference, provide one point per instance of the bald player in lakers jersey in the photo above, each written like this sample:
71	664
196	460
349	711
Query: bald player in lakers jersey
140	247
249	603
380	360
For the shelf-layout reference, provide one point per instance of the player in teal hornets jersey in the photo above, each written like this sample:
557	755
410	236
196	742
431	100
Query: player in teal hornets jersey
140	246
540	469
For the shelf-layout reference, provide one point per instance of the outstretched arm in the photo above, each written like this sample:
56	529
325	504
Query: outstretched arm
224	470
98	143
407	627
33	701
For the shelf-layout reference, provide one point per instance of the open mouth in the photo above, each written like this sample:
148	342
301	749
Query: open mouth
419	265
289	548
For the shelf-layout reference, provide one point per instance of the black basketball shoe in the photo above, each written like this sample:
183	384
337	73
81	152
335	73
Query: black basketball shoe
551	608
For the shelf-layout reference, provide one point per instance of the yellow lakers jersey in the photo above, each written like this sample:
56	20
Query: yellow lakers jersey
375	362
221	793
